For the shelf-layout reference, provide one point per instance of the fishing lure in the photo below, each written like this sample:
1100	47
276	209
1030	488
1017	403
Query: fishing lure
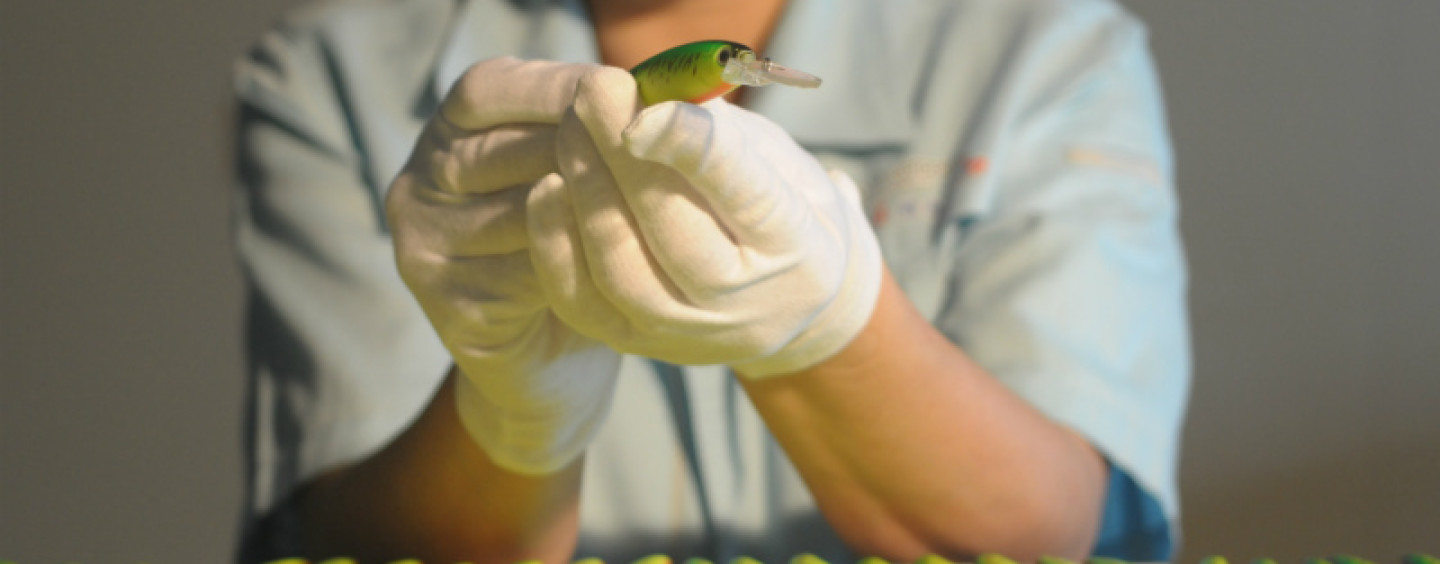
699	71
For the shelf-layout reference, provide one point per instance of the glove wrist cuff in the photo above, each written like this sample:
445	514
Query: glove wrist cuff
840	321
542	432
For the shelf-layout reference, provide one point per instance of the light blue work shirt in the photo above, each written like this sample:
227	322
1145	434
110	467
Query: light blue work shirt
1013	155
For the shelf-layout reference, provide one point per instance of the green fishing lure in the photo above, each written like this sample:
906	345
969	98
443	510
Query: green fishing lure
699	71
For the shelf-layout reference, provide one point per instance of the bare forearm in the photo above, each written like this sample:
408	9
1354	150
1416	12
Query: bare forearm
911	448
433	494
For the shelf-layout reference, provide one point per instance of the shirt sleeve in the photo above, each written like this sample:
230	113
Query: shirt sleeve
1070	286
340	357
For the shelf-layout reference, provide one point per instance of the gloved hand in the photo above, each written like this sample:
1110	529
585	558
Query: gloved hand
534	392
700	235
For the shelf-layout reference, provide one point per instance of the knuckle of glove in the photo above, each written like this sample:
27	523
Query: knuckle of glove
670	133
477	162
606	99
593	323
455	227
407	235
507	89
506	156
472	88
468	305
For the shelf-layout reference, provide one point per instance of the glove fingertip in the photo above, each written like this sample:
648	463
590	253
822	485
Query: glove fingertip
605	100
649	136
611	83
546	197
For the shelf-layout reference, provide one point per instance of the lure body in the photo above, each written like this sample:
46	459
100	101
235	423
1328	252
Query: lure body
689	73
699	71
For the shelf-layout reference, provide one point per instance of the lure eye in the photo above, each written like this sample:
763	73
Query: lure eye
724	56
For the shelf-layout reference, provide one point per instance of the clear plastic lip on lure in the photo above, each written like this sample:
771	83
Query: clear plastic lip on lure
747	70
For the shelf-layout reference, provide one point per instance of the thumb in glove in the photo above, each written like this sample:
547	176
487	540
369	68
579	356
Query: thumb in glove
700	235
533	392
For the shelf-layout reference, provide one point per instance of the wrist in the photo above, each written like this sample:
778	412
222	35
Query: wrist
889	323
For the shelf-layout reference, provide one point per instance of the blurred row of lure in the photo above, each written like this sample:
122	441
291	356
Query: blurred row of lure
983	559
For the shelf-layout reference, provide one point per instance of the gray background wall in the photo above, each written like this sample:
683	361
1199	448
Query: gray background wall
1309	141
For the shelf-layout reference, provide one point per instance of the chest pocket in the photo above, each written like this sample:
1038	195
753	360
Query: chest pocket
910	208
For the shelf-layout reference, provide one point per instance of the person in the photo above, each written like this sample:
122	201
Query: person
498	311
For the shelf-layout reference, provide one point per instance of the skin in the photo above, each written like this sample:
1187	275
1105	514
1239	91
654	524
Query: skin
433	494
910	448
968	468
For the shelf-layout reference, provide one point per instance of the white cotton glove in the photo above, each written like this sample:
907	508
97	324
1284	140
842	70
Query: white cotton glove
700	235
534	392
